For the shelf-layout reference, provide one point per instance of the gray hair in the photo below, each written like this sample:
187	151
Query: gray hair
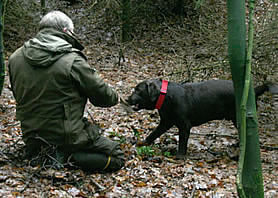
57	20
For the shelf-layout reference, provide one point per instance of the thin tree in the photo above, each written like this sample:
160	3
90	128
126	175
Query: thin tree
179	7
249	176
43	10
125	20
125	28
2	60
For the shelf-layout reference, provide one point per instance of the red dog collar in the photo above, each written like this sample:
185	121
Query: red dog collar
162	95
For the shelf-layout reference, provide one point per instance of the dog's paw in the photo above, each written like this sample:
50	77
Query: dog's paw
180	157
141	143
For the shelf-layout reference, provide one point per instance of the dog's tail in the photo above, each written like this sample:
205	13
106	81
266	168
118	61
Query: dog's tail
273	89
268	86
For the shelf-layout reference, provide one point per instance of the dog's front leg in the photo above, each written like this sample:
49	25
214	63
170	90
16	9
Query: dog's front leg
160	129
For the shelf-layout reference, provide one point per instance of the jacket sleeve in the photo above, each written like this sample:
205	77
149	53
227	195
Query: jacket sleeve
92	85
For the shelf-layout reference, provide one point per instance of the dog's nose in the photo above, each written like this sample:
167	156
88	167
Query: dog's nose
129	100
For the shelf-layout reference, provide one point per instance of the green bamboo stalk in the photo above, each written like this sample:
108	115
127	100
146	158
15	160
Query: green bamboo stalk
244	103
237	48
249	177
237	55
250	183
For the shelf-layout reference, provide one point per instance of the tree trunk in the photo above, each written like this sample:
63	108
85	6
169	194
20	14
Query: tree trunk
43	3
179	7
43	10
125	20
2	60
249	177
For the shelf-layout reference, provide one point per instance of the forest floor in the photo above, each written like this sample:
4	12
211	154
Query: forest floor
170	51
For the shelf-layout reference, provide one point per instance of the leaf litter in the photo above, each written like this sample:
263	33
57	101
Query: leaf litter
211	165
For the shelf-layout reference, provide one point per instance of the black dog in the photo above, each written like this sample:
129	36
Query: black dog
187	105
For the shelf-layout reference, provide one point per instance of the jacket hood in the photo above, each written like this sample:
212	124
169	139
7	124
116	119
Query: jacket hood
48	46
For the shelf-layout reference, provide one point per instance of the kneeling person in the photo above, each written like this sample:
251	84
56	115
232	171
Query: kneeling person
51	81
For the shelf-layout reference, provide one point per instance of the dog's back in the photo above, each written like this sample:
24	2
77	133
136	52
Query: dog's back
210	100
215	100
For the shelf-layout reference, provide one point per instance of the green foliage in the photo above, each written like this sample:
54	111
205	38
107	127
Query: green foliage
167	154
120	138
113	134
150	151
198	3
147	151
136	133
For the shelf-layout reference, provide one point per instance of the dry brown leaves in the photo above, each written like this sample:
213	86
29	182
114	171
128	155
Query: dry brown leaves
167	51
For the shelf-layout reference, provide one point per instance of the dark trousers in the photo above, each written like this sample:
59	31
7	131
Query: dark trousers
98	154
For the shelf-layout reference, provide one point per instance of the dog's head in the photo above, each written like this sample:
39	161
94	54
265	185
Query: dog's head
145	95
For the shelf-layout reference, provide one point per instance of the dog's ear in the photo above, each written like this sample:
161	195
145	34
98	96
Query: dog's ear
153	87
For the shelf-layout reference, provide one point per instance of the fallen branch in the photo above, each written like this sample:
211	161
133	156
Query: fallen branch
214	134
101	188
193	191
269	148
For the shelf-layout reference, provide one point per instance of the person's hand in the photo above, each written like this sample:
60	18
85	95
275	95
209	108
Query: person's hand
125	104
122	100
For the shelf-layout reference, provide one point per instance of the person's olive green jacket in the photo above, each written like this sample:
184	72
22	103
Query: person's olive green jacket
51	82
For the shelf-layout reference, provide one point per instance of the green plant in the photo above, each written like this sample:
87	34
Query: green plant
120	138
136	132
167	154
145	151
113	134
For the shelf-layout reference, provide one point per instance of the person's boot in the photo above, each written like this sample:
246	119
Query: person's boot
97	162
90	161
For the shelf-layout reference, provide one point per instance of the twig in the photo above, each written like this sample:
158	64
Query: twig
93	4
269	148
101	188
43	140
60	164
214	134
193	191
91	116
